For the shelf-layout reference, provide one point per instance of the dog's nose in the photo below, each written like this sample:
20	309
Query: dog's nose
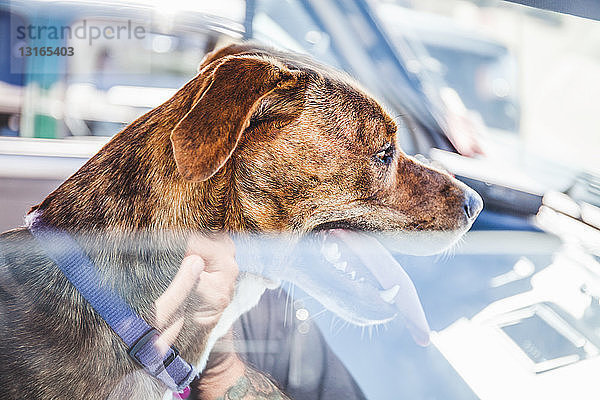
473	204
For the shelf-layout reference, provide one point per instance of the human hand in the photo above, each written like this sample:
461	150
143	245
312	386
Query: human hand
207	276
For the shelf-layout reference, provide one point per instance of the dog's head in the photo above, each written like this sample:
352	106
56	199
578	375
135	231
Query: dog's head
306	150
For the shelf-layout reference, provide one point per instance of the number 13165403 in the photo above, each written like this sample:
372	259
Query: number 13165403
46	51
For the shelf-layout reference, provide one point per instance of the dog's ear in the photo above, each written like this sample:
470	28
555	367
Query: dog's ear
233	86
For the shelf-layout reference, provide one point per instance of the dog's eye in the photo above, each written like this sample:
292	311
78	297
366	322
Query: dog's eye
386	154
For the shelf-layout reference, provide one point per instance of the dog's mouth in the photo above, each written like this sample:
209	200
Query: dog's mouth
353	275
344	267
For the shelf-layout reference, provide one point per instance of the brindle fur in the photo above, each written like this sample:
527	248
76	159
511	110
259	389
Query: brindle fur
258	141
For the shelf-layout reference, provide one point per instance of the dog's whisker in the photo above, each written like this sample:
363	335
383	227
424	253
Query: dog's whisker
459	243
304	299
399	116
317	314
331	323
287	304
341	327
335	323
385	326
292	290
450	251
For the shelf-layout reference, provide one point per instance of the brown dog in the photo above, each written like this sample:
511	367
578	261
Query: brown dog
259	141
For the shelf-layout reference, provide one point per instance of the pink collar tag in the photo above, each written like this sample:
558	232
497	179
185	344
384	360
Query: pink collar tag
183	394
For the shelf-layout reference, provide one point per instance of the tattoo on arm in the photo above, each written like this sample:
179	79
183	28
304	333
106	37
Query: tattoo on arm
254	385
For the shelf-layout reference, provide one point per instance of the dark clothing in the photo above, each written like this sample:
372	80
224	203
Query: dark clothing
293	352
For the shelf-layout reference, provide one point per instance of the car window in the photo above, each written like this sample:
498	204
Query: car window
499	96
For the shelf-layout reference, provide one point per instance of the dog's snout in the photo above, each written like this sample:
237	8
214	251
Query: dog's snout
473	204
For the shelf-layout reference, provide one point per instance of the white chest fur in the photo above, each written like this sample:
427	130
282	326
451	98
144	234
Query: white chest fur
248	291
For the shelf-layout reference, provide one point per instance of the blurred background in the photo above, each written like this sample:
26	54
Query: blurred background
502	95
